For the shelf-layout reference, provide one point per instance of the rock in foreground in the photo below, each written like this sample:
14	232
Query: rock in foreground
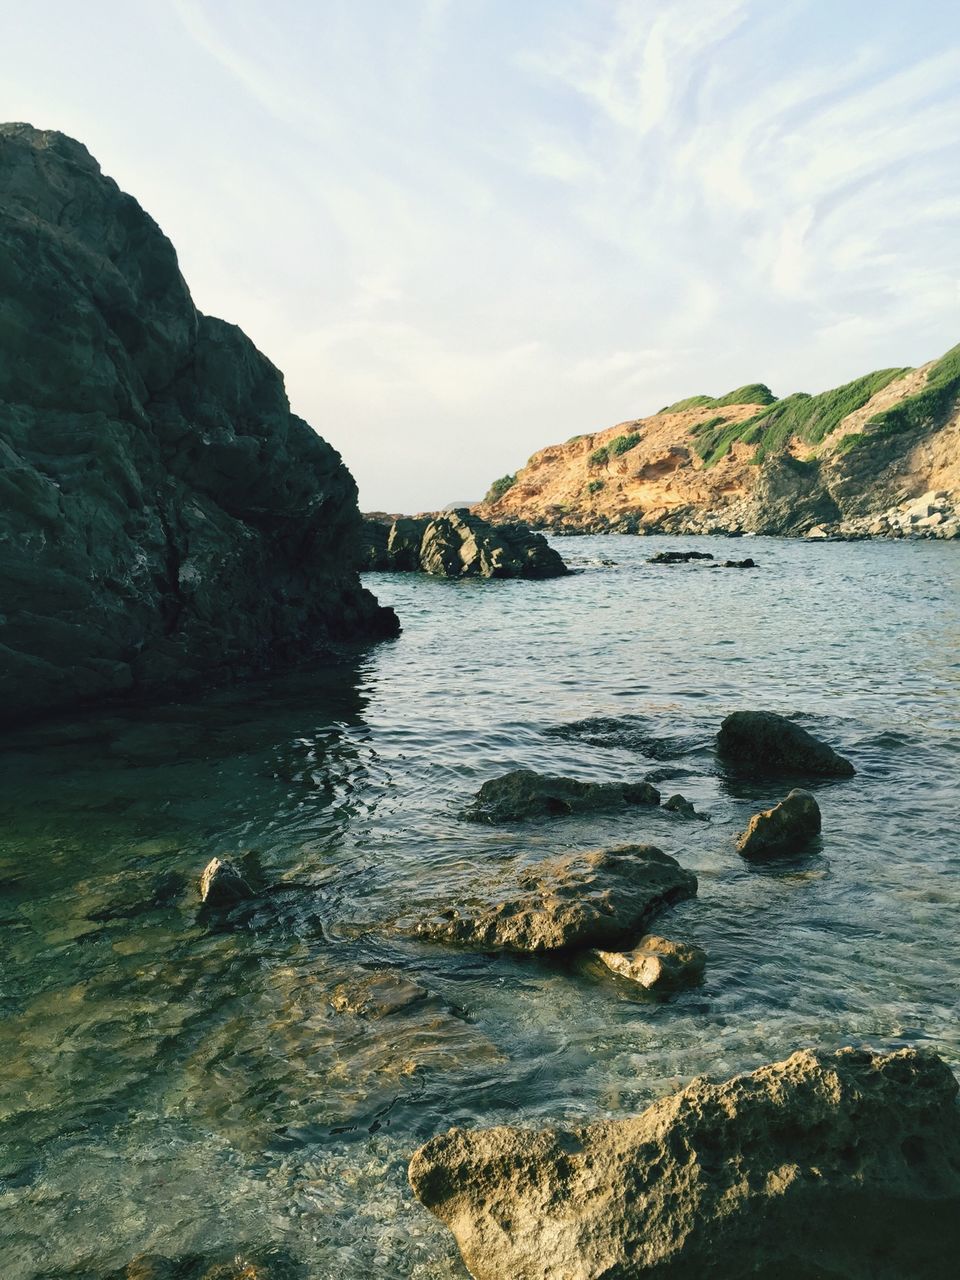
222	885
599	899
657	963
524	793
165	520
840	1166
761	742
457	544
784	829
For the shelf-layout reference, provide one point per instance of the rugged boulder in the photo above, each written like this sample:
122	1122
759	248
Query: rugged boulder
842	1166
457	544
786	828
598	899
657	963
526	794
761	742
222	885
165	520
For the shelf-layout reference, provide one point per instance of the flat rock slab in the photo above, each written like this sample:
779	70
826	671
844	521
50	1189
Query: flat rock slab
599	899
763	743
828	1166
658	964
378	995
786	828
526	794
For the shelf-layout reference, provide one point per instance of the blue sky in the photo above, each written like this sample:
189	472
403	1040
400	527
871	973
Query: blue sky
465	229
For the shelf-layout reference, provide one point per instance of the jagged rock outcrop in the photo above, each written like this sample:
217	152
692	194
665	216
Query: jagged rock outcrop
764	743
523	793
599	899
458	545
165	520
785	828
852	460
828	1166
222	885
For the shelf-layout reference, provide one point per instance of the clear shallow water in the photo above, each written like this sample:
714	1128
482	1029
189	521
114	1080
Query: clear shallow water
172	1086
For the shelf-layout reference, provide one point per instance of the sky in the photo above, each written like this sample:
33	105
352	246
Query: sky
466	229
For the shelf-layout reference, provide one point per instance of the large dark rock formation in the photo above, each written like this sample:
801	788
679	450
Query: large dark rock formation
165	520
840	1166
763	743
458	544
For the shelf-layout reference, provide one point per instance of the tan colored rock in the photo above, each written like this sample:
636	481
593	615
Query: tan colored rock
785	828
603	898
657	963
828	1166
523	793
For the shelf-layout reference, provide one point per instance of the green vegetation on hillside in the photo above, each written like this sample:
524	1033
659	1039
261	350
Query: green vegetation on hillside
929	408
595	486
622	444
752	393
499	488
599	457
810	418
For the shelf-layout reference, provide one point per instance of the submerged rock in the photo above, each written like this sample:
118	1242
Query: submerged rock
524	793
657	963
599	899
377	995
761	742
785	828
457	544
255	1263
165	520
223	885
830	1165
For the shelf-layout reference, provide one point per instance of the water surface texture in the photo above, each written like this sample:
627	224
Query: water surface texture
179	1085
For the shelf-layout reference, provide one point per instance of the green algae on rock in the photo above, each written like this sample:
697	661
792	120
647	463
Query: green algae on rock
165	520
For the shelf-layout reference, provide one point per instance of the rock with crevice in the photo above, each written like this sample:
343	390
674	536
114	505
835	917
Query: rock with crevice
524	793
787	827
166	522
828	1166
764	743
658	964
604	899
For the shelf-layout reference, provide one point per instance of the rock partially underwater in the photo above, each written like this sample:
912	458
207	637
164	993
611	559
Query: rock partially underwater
165	520
457	544
600	899
658	964
524	793
842	1166
788	827
762	742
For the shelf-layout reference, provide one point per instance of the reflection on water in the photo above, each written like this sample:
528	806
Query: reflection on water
176	1085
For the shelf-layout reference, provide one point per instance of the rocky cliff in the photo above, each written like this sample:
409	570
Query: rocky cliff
165	520
456	545
877	456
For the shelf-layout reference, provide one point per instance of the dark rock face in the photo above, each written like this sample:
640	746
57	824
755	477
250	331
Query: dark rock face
459	545
761	742
165	520
526	794
599	899
679	557
841	1166
785	828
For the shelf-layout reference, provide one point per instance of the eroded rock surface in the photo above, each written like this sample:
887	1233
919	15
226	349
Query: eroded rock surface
523	793
457	544
761	742
377	995
165	520
828	1166
599	899
658	963
786	828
